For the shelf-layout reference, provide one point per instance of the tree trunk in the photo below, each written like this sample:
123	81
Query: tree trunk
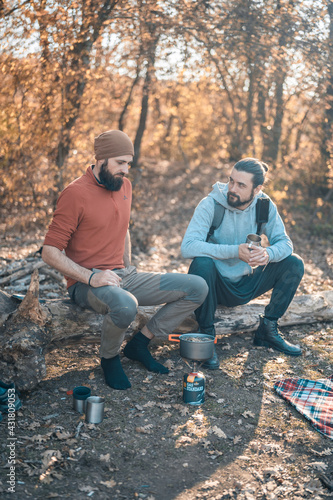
279	111
144	104
327	140
30	329
121	121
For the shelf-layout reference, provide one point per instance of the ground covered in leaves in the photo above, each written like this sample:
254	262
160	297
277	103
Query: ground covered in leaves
244	442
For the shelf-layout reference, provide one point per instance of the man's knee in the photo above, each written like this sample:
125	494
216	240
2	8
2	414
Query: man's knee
296	263
199	288
202	266
124	311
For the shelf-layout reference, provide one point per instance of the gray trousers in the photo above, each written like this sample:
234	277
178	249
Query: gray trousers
181	294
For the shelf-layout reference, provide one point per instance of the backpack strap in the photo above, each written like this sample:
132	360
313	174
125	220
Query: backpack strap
262	211
217	219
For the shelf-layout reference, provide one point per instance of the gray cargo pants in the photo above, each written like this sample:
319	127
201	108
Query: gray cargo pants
181	294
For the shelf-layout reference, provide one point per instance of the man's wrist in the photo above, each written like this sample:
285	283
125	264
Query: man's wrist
89	281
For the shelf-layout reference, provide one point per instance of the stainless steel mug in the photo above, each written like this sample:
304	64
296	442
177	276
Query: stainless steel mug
95	410
253	240
80	395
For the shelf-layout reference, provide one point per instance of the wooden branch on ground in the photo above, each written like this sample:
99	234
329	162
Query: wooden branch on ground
30	329
22	272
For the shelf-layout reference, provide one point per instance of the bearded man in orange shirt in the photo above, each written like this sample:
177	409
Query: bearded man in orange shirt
89	242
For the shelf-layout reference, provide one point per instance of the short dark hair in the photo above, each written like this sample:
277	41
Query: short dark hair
255	167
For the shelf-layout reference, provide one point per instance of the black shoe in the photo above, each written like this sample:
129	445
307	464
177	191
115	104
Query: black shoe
268	335
212	363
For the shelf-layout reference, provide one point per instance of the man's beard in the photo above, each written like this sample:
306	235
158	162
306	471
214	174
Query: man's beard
238	203
110	181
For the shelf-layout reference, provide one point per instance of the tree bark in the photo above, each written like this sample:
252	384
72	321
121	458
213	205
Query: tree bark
327	132
30	329
144	102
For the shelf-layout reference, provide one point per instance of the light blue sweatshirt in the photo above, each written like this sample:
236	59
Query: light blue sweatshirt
236	225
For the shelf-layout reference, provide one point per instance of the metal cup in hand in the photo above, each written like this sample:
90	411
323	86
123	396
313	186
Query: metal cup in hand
253	240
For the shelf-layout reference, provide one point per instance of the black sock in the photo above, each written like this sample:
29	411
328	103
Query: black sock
137	349
114	374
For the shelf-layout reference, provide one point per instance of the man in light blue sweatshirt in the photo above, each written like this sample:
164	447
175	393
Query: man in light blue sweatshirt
235	271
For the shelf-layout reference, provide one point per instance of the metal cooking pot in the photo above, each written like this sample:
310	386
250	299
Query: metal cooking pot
196	346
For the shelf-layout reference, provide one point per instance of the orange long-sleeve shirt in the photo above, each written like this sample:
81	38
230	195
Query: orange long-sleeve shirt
90	223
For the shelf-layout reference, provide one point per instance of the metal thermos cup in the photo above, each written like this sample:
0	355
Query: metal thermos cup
253	240
95	410
80	395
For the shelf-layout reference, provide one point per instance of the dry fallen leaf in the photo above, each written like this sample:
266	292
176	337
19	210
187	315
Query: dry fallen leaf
46	478
247	414
40	439
147	380
33	426
327	451
164	406
226	347
51	456
86	489
210	484
169	364
63	435
219	432
144	430
166	415
57	475
109	484
211	394
321	466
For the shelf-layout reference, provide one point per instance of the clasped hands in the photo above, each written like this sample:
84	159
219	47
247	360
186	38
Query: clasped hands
254	256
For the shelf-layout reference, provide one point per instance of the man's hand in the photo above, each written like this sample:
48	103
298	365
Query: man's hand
105	278
254	256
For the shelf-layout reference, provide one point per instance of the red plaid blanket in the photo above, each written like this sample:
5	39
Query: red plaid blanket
312	398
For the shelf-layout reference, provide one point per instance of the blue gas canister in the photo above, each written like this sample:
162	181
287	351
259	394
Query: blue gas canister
194	388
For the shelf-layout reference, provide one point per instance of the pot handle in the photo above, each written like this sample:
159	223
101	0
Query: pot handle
174	337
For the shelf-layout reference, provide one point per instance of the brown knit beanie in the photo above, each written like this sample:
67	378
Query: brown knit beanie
111	144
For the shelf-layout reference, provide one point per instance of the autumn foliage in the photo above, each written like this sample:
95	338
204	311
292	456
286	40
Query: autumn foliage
189	81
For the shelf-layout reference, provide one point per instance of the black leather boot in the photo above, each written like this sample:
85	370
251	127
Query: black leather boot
268	335
213	362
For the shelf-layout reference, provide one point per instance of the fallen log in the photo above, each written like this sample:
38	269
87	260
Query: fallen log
29	329
27	270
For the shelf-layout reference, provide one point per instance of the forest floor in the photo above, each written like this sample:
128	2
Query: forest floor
243	442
